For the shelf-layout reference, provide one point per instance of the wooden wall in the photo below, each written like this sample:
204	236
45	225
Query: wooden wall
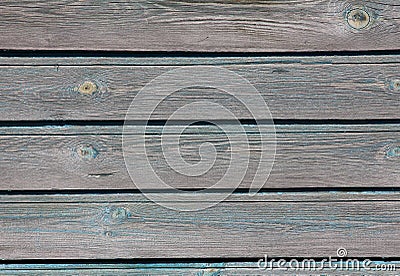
329	71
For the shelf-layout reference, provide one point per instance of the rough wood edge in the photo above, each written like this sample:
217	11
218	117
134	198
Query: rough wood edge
65	130
198	268
323	196
191	61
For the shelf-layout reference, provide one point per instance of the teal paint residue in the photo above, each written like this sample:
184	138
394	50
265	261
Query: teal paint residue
210	272
393	152
120	213
87	152
394	85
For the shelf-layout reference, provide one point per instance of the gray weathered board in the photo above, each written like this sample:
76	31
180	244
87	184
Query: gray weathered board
197	25
112	226
364	87
91	157
329	71
183	269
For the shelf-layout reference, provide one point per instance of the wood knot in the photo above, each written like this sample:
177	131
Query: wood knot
394	85
120	213
358	18
393	152
210	272
87	88
87	152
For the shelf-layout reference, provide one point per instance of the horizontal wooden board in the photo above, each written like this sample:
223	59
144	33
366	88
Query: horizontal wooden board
293	87
272	196
185	59
223	26
76	229
198	269
91	157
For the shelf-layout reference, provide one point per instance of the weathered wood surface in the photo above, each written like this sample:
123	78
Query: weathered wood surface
306	156
198	269
293	88
288	196
59	223
182	59
223	26
60	227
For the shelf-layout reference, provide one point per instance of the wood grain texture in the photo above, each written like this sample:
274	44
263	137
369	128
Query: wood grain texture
293	87
90	157
287	196
198	269
232	229
223	26
151	59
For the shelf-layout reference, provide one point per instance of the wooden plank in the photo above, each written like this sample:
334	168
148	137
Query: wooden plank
294	88
306	156
204	269
232	229
223	26
321	196
185	271
132	59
